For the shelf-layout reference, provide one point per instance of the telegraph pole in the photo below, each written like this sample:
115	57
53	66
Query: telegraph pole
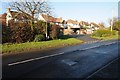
112	21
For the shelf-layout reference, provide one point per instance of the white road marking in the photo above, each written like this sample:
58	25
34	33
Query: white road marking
90	48
98	46
20	62
29	60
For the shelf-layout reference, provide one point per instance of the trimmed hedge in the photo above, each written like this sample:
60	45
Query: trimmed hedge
19	32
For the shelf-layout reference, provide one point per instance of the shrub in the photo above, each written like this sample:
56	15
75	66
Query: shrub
40	27
39	38
103	33
55	31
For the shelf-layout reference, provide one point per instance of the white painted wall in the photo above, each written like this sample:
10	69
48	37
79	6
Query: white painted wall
41	18
8	17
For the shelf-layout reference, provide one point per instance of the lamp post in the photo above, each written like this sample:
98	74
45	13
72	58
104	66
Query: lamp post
46	22
46	30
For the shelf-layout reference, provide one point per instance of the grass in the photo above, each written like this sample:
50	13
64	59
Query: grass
108	37
30	46
106	34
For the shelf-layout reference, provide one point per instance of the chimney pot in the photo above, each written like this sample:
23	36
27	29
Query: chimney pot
8	10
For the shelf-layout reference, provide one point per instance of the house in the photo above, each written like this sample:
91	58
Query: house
50	19
59	21
94	26
89	27
46	18
13	15
84	24
73	26
3	19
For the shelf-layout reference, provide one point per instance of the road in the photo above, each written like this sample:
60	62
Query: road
79	61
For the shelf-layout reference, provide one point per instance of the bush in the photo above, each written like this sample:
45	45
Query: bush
104	33
39	38
40	27
55	31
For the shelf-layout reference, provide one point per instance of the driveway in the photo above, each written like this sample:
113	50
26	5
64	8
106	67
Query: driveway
85	38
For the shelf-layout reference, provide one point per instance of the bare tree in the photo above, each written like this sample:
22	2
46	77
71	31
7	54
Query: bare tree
31	8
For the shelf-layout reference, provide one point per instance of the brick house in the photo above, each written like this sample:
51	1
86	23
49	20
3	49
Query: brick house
13	15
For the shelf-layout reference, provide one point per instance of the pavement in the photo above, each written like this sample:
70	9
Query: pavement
110	71
78	61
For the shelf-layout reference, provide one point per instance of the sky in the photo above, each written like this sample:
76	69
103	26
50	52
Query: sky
81	10
86	11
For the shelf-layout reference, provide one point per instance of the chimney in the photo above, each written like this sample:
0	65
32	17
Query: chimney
8	10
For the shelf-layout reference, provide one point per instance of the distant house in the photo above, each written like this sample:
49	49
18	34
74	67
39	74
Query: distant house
94	26
89	27
84	24
73	26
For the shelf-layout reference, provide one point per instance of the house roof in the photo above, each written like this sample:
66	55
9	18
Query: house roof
72	21
48	18
14	15
84	23
19	15
51	19
96	25
58	20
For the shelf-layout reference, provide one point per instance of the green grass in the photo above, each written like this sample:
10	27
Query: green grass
108	37
30	46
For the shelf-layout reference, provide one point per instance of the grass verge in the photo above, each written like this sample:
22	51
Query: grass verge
107	38
30	46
